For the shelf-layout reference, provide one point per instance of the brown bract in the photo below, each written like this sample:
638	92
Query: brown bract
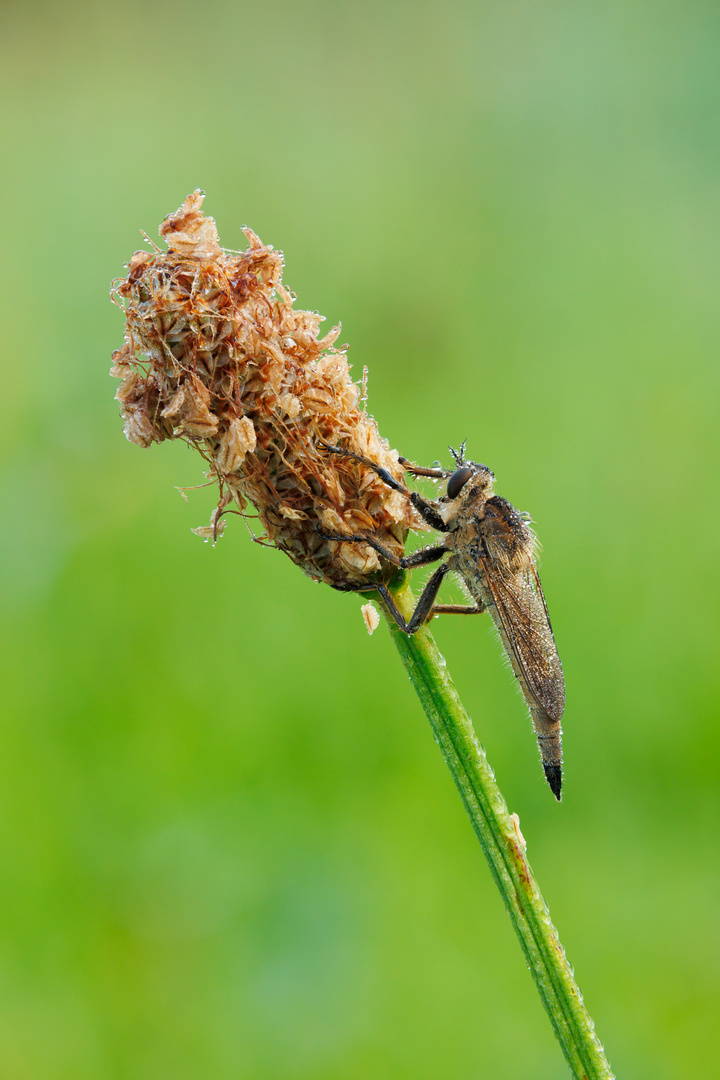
215	354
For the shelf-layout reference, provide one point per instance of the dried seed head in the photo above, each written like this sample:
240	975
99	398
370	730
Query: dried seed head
215	354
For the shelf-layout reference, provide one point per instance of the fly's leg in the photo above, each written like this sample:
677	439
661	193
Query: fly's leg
418	558
424	606
458	609
426	609
417	470
381	472
427	511
425	508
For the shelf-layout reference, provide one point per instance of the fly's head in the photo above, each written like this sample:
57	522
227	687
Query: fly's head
469	475
468	487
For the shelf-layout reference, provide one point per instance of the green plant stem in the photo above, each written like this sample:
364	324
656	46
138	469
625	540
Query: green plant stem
503	847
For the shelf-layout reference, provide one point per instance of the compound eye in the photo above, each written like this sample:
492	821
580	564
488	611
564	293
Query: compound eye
458	480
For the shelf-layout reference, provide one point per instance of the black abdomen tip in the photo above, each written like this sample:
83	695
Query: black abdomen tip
553	775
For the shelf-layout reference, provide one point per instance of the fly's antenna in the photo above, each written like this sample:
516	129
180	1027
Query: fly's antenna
459	456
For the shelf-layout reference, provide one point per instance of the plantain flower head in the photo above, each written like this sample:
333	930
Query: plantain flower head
216	354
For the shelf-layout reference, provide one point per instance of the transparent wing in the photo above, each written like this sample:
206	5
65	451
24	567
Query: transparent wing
521	616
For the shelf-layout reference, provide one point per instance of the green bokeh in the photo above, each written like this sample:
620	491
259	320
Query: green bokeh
228	845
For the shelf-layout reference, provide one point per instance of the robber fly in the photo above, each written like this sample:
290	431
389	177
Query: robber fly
492	549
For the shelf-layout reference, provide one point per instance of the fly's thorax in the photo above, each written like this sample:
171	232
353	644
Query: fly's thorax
508	539
466	546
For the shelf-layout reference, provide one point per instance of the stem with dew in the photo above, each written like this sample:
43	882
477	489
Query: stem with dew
502	846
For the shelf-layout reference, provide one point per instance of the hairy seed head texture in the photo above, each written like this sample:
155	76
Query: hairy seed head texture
215	354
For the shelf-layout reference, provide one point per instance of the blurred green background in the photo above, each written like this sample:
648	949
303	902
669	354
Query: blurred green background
229	847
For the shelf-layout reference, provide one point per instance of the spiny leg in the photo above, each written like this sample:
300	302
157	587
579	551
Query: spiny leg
381	472
458	609
425	608
417	470
425	508
424	605
418	558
